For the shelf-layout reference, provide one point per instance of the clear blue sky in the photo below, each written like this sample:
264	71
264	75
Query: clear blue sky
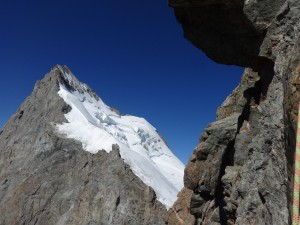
132	53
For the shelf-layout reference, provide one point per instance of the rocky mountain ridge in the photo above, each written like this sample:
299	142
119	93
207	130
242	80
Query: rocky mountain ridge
242	170
47	177
98	127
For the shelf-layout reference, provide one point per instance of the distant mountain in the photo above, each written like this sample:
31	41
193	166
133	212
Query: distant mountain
68	158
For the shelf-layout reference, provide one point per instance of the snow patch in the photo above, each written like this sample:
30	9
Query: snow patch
97	127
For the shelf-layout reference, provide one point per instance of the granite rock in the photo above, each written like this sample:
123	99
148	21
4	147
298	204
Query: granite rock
250	180
49	179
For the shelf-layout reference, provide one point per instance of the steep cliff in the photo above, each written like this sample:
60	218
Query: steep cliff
48	175
242	170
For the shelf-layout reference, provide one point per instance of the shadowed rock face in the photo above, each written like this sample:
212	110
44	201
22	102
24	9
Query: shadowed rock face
48	179
242	170
228	31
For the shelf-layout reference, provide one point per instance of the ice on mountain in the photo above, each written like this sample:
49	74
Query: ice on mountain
98	127
103	118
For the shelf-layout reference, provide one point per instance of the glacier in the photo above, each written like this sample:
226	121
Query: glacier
98	127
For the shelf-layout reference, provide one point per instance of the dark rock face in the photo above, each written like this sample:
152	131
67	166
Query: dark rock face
48	179
228	31
242	170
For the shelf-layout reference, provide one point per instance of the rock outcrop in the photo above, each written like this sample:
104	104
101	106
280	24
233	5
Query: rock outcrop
47	178
242	170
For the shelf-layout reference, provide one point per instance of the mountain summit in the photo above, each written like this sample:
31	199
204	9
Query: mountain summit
68	158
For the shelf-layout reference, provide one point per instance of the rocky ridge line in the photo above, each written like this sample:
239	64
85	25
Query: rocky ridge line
242	170
49	179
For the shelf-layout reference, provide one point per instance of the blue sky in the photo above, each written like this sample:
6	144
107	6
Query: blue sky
132	53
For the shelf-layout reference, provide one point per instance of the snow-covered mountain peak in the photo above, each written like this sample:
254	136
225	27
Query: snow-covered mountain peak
98	127
70	81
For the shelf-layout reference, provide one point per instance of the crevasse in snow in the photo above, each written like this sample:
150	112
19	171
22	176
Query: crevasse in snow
97	127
